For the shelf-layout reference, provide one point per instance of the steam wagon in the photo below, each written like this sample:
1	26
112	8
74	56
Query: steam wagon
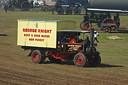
54	40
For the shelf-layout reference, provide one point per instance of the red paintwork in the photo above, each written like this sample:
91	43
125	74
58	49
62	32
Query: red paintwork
35	57
79	60
79	52
72	41
106	30
61	56
113	28
108	21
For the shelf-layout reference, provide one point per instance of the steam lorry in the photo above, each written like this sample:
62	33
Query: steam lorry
58	41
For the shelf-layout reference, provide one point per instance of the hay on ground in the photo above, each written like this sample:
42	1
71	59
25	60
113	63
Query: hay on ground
115	38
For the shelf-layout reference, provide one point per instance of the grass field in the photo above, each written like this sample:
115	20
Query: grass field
17	68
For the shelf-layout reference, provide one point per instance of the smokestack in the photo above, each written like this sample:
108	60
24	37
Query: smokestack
91	37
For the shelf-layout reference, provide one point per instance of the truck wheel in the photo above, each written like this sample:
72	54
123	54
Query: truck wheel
77	11
37	57
80	60
53	60
97	61
60	11
68	11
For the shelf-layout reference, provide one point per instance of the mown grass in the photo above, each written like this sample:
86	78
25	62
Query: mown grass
114	53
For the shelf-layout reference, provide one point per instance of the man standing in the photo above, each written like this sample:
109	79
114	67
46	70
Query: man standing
95	36
5	8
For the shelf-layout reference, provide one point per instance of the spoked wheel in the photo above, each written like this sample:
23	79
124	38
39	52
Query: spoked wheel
37	56
80	60
86	25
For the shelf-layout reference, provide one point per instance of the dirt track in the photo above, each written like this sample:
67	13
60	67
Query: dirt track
17	68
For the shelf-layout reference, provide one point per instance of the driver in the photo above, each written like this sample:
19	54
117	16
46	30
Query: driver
65	38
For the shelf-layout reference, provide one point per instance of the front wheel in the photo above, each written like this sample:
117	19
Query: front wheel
37	56
80	60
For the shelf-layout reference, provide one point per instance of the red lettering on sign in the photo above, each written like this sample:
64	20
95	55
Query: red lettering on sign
48	31
36	35
39	39
31	39
48	36
31	35
44	31
26	34
29	30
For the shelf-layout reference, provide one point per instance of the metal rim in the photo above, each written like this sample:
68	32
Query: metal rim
79	60
35	56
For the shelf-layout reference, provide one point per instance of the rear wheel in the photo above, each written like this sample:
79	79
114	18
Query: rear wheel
37	56
80	60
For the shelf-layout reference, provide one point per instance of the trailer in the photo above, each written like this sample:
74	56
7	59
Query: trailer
54	40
